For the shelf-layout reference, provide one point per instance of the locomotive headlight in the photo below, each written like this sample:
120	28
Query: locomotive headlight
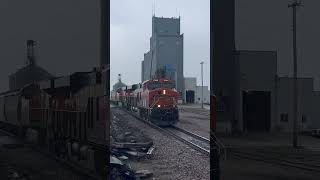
164	91
159	105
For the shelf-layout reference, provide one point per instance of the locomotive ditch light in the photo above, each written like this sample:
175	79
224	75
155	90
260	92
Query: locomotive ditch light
159	105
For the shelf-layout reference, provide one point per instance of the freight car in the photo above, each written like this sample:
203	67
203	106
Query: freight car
16	108
68	115
213	113
155	100
119	96
216	146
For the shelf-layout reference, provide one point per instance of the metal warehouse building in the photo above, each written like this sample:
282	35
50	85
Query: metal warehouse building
193	93
263	101
250	94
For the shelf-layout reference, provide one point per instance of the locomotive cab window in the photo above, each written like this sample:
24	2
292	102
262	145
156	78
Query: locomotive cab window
156	85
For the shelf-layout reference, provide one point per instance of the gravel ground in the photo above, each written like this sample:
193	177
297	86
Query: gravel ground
16	159
171	159
242	169
196	123
121	132
269	145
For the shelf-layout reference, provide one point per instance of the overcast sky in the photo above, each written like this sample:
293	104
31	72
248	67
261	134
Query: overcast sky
131	23
67	34
266	25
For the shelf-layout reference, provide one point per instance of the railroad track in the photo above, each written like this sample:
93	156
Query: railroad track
270	159
198	142
196	111
195	141
192	134
83	172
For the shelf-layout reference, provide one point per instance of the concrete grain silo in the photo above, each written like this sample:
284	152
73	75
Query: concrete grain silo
29	73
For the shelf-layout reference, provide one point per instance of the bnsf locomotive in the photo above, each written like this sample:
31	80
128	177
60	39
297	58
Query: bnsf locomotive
155	100
68	115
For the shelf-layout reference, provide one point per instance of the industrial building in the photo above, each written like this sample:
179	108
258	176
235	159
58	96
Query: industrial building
222	63
206	95
251	93
30	73
256	75
190	84
308	103
193	93
119	84
166	52
263	100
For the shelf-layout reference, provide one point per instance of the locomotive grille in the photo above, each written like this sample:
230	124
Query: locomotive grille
165	114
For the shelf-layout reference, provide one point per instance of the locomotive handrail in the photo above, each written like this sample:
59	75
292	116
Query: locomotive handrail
174	102
154	102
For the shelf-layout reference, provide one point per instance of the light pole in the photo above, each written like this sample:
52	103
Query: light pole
294	6
202	84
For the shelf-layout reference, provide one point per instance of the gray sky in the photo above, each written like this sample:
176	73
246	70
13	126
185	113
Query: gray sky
266	25
67	34
131	31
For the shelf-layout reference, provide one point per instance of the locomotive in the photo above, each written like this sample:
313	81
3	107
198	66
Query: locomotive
66	115
155	100
213	113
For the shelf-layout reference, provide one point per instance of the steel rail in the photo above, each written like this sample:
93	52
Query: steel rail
192	134
197	147
198	112
191	144
276	161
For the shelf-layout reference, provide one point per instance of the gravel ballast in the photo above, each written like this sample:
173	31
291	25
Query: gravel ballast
171	159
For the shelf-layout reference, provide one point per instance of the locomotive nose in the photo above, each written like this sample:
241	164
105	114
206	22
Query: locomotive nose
163	91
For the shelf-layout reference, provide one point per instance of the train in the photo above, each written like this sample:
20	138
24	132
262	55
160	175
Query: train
65	115
155	100
213	113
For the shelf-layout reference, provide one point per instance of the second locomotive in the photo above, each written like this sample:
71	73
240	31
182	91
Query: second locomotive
155	100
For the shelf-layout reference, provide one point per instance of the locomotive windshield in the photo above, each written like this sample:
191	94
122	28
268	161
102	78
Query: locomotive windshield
156	85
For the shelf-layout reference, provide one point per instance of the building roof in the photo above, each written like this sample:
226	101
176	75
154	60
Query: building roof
26	75
32	69
118	85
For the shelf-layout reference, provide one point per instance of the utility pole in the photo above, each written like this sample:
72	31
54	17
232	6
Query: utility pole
202	84
294	6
